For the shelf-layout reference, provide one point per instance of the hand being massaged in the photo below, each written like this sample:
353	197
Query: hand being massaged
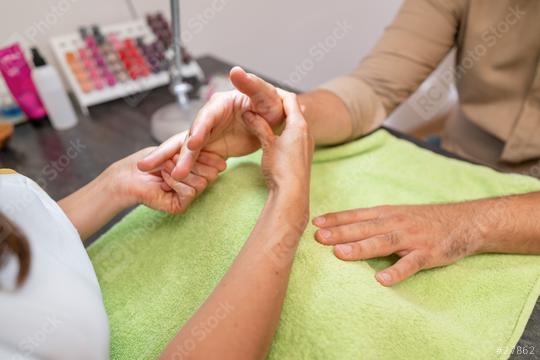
423	236
218	127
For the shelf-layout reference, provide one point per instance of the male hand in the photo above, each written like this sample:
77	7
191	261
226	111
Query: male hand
218	127
157	189
424	236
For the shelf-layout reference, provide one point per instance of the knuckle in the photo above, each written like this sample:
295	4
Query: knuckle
395	273
358	251
337	234
399	218
190	192
201	184
365	248
391	239
377	222
212	175
329	219
414	230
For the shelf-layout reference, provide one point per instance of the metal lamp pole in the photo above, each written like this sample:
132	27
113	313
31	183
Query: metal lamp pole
178	116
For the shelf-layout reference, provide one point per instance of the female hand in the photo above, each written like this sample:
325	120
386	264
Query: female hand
256	283
218	127
286	160
157	189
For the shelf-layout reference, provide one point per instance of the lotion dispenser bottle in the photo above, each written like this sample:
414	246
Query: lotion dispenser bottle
52	93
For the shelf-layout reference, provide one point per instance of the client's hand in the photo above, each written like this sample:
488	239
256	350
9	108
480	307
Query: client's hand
157	189
286	160
424	236
218	127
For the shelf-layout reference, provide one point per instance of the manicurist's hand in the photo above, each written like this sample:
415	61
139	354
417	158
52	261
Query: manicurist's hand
424	236
218	127
158	190
286	160
255	285
123	185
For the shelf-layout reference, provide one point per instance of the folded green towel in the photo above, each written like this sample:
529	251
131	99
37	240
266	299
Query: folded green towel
155	269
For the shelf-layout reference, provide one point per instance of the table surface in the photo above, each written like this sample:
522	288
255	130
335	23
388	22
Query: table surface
63	161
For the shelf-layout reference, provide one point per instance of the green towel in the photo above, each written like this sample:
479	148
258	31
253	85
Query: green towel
155	270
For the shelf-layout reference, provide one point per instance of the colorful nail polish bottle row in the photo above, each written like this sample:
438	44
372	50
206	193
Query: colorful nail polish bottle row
104	61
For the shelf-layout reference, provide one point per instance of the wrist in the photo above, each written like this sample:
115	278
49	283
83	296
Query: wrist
489	218
292	206
112	184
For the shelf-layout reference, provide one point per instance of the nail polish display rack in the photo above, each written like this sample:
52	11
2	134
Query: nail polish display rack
117	61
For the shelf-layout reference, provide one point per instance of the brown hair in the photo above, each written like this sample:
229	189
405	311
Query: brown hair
13	243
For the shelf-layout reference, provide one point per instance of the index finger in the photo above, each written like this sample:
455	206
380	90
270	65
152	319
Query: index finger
346	217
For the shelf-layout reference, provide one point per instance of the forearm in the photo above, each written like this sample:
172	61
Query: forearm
510	224
94	205
251	293
328	117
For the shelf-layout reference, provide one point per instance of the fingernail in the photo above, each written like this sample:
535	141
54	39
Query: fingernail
325	234
319	221
384	277
345	249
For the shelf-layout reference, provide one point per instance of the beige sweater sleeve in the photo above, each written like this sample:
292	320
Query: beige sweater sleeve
420	36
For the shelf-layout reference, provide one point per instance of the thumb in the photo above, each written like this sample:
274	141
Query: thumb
405	267
248	84
156	157
294	115
259	127
263	95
